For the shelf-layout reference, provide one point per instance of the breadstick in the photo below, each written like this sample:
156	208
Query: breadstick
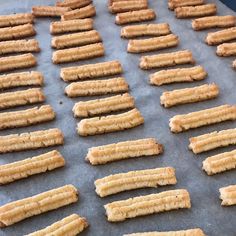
41	11
178	75
150	178
221	36
17	62
22	97
71	225
189	95
16	211
228	195
123	150
30	166
180	123
152	44
212	140
226	49
59	27
103	105
97	87
234	64
32	140
147	204
220	163
172	4
79	53
108	124
16	19
135	16
90	71
166	59
73	4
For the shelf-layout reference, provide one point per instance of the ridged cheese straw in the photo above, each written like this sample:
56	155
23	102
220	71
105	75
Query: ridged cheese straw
147	204
228	195
16	211
226	49
73	4
189	95
180	123
172	4
71	226
30	166
149	178
220	163
123	150
16	19
41	11
32	140
111	123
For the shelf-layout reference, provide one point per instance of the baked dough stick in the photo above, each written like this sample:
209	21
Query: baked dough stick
16	211
220	163
41	11
97	87
59	27
189	95
228	195
16	19
22	97
73	4
166	59
135	16
221	36
79	53
152	44
123	150
111	123
90	71
180	123
172	4
71	226
150	178
30	166
226	49
234	64
147	204
103	105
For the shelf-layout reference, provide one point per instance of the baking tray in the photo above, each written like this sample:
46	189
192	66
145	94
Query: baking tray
206	211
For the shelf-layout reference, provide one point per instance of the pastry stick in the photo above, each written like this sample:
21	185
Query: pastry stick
172	4
111	123
180	123
228	195
123	150
73	4
152	44
147	204
226	49
42	11
30	166
16	19
16	211
234	64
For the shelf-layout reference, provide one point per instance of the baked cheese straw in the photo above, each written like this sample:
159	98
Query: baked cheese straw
59	27
90	71
220	163
16	19
71	225
152	44
97	87
30	166
226	49
103	105
41	11
189	95
22	97
123	150
135	16
147	204
172	4
73	4
234	64
166	59
228	195
111	123
150	178
16	211
78	53
32	140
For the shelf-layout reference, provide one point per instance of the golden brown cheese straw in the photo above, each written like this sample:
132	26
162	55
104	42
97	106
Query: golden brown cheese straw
180	123
172	4
123	150
16	19
16	211
111	123
150	178
226	49
147	204
103	105
59	27
228	195
97	87
90	71
71	225
220	163
41	11
166	59
130	5
135	16
73	4
178	75
189	95
151	44
30	166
